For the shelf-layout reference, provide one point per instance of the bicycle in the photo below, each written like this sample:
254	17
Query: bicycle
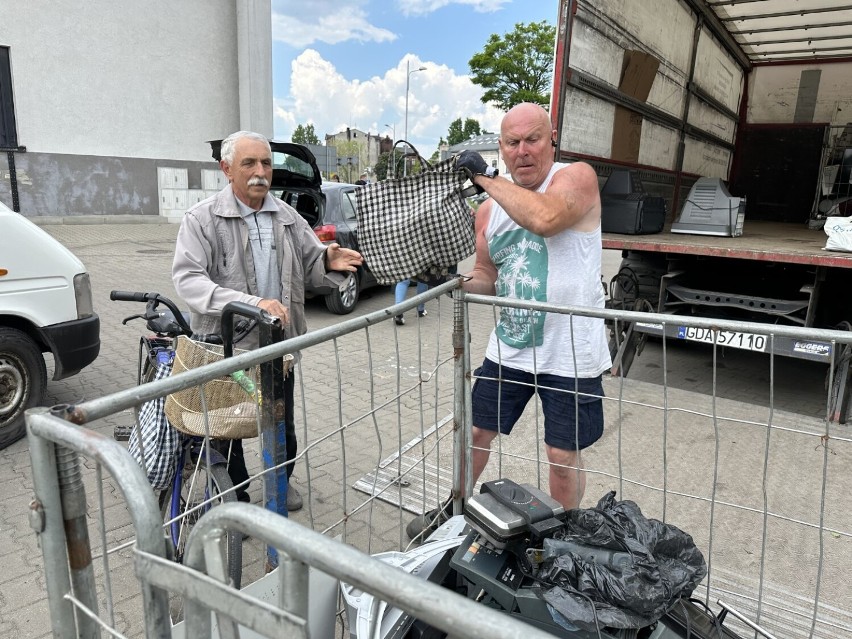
200	477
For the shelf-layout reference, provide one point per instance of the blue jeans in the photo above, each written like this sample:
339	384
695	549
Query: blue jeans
402	288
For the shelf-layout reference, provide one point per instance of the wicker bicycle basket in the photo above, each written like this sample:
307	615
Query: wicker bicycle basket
231	412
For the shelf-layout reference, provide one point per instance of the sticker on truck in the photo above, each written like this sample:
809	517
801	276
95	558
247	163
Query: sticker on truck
813	348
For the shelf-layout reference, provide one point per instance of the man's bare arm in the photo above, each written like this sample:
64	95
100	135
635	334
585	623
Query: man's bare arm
571	200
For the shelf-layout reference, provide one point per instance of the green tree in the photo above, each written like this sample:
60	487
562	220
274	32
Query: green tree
384	167
304	135
436	155
459	132
381	168
517	67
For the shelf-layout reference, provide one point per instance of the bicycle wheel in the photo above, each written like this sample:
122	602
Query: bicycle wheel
193	492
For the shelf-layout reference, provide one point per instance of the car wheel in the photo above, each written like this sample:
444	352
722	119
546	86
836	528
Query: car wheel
23	379
344	299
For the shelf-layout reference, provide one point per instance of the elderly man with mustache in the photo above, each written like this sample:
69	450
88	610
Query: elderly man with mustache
244	245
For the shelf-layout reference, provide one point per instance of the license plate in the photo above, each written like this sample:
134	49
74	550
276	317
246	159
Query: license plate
734	339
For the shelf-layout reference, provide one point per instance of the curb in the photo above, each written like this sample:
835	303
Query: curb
46	220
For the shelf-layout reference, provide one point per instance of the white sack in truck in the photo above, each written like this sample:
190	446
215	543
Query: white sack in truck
839	231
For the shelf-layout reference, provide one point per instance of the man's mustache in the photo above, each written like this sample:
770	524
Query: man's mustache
258	181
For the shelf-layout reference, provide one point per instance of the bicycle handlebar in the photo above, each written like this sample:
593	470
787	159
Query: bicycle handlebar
243	327
246	310
152	300
127	296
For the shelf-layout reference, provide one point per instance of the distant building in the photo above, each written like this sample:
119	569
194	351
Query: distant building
486	145
371	147
114	118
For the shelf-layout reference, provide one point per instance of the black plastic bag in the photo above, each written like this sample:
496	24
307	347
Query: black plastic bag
651	566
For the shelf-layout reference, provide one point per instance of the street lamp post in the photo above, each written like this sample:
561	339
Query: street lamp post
393	147
408	73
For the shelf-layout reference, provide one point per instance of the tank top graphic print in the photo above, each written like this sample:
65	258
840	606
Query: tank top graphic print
521	260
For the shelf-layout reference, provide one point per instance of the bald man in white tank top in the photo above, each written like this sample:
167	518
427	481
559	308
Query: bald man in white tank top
538	238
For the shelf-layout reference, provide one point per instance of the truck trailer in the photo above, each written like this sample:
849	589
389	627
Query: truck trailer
721	133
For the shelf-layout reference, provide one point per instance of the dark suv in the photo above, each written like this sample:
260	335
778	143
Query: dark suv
329	207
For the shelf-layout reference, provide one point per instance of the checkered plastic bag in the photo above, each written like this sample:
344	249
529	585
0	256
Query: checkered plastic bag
160	441
417	226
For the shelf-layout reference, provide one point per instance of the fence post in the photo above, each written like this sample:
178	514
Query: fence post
462	484
273	432
293	582
46	520
72	497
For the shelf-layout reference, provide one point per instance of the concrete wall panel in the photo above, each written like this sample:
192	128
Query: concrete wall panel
127	79
107	93
51	184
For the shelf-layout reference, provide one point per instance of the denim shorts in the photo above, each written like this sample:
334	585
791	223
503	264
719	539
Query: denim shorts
573	408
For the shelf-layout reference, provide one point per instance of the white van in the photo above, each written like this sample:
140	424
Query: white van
45	306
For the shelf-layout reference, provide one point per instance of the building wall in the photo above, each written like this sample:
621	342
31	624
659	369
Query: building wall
59	184
370	148
106	93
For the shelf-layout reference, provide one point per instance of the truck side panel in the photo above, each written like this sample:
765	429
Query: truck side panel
602	37
717	76
776	91
706	160
663	27
717	73
587	124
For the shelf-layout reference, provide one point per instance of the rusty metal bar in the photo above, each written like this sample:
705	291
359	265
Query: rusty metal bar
73	499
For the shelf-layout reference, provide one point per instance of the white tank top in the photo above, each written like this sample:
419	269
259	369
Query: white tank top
564	269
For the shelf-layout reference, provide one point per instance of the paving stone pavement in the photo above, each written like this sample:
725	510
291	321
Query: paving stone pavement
138	257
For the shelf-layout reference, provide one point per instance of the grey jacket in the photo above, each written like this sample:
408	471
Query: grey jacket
212	264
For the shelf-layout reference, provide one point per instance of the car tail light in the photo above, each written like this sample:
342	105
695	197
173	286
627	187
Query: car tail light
326	233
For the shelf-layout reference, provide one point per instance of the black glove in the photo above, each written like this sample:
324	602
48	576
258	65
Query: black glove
472	164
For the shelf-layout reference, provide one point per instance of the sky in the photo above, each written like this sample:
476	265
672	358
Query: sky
344	63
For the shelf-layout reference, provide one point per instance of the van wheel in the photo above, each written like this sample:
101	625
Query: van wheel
23	379
343	301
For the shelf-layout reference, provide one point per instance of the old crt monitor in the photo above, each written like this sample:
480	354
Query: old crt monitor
711	210
627	209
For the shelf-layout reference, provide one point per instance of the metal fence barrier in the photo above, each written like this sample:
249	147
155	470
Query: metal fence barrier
384	429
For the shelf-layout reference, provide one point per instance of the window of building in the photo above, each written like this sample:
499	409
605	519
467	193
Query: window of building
8	130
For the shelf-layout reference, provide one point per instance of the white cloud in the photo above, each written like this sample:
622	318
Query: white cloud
321	96
424	7
326	21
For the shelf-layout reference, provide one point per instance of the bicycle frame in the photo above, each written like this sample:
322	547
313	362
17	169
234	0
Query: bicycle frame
195	447
158	349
